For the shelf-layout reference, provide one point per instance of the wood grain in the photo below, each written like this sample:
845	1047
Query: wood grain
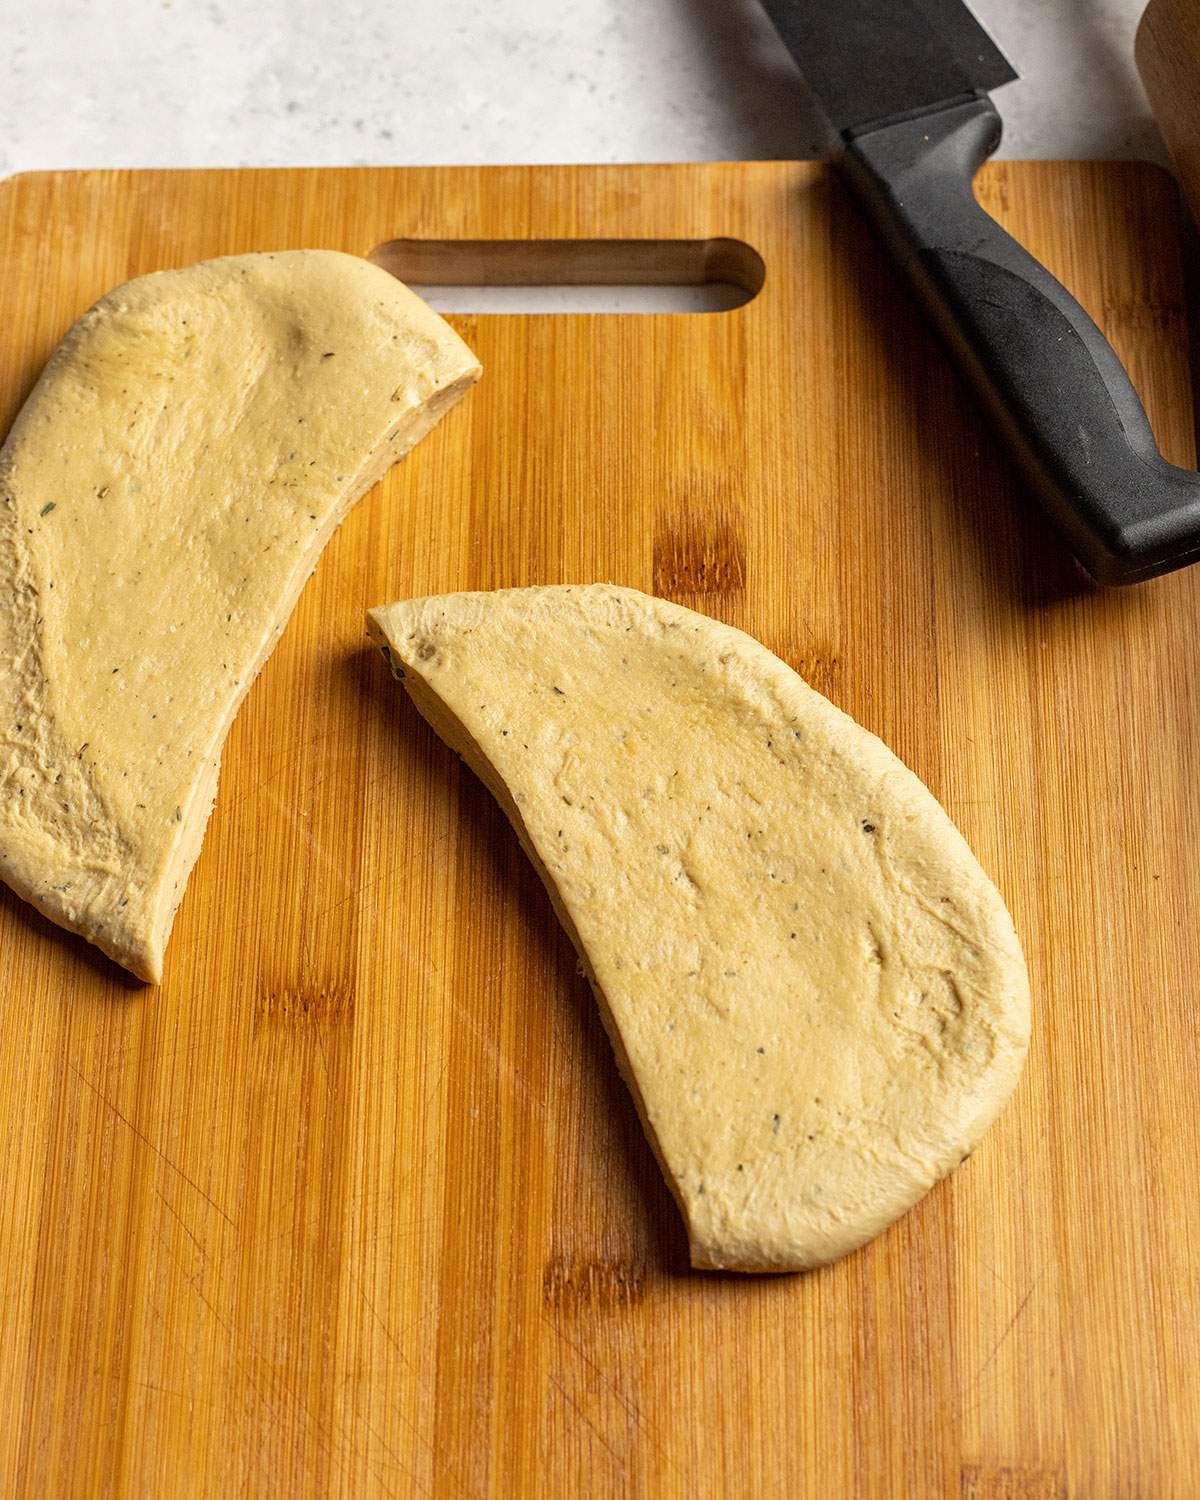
1168	57
355	1205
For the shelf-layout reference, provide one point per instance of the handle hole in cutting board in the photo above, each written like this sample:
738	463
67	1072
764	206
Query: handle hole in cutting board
573	276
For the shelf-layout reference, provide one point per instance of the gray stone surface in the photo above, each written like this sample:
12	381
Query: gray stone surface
87	83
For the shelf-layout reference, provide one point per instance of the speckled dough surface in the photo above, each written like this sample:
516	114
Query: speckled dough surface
815	994
164	493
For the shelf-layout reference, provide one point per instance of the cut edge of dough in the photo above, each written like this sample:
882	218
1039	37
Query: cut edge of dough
169	891
450	729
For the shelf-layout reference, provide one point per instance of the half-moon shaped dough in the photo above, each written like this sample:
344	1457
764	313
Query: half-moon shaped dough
164	493
815	994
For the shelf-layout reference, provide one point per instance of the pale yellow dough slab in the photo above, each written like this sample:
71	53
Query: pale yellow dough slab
164	493
815	994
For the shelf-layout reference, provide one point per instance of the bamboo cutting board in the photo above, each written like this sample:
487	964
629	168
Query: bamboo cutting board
355	1205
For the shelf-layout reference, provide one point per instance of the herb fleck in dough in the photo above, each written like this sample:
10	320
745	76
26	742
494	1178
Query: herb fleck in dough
815	994
164	493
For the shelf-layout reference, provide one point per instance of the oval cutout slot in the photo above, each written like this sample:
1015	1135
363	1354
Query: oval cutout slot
576	276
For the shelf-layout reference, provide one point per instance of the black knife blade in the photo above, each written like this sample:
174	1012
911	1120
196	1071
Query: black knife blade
905	83
875	59
978	54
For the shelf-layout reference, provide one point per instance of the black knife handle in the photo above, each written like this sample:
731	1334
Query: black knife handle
1049	377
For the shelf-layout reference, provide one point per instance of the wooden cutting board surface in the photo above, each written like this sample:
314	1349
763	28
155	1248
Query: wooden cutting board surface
355	1205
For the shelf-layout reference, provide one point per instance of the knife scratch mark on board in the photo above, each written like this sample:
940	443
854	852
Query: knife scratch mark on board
145	1139
179	1219
556	1382
977	1378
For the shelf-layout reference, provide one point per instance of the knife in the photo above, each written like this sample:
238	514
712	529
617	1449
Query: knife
904	84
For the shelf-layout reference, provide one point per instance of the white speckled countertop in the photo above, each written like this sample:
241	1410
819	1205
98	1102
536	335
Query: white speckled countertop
88	83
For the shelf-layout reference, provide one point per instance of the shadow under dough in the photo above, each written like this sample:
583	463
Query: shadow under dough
126	986
488	838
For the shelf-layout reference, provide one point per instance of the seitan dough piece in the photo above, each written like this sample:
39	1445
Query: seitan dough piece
164	493
814	993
